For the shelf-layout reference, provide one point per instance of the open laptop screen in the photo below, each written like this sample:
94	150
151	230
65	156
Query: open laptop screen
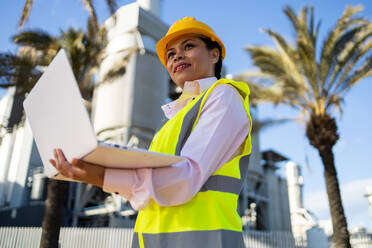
57	115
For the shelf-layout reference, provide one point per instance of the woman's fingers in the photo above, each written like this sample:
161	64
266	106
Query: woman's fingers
57	157
62	165
60	156
77	169
53	162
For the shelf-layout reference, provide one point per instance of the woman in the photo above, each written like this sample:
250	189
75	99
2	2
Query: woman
192	203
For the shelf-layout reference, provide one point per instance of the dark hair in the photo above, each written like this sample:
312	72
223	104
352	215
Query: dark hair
210	45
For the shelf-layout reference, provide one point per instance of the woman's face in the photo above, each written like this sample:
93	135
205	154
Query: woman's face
189	59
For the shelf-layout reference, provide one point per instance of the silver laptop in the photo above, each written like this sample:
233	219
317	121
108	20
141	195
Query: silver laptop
59	119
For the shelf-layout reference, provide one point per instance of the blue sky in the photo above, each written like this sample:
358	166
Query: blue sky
238	24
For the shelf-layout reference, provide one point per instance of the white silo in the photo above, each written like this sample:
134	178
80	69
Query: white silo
152	6
295	184
6	142
128	108
303	221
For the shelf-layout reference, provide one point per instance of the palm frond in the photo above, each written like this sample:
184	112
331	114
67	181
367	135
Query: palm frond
265	90
342	54
312	31
267	59
91	28
289	57
281	42
292	17
306	41
261	94
281	68
35	38
37	48
334	102
88	4
26	12
344	22
6	68
295	75
112	6
362	72
85	51
307	63
19	71
354	52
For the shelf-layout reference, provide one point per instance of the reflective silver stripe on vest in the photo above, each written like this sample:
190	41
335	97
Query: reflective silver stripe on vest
192	239
228	184
243	166
223	184
187	124
217	182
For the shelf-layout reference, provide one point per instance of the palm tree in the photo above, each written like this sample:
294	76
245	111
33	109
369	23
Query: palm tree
38	48
18	70
315	81
88	4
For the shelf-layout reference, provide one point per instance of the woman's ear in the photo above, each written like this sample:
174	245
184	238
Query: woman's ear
214	55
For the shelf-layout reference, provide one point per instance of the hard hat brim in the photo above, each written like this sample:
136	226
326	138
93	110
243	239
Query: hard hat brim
161	46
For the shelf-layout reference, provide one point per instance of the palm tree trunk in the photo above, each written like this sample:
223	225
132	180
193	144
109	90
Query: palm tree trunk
341	236
53	213
321	131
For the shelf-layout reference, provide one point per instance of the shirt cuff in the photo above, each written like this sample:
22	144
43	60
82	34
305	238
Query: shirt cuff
119	181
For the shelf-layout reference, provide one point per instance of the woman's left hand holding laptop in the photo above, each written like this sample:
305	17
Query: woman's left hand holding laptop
78	169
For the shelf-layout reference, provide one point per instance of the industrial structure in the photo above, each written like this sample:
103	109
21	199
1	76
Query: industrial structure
125	111
303	222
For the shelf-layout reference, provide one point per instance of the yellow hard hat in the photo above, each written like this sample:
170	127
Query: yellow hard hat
187	25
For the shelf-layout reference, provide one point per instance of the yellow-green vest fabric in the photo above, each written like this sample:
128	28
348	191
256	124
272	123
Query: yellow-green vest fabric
210	218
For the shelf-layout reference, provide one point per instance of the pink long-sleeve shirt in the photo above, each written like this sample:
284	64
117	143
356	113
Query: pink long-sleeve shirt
222	127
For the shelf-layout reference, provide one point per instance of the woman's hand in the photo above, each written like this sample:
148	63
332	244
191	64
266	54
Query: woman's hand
78	170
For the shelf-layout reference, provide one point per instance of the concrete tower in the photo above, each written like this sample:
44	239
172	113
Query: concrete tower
152	6
303	221
127	109
295	185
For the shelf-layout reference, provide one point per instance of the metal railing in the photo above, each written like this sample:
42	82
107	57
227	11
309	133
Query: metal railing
272	239
11	237
122	237
358	241
19	237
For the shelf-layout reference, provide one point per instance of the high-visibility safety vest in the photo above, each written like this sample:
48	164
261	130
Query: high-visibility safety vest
210	219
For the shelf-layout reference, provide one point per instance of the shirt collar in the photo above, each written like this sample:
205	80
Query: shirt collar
205	83
171	108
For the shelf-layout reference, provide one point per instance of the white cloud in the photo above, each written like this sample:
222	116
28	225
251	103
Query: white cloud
354	202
